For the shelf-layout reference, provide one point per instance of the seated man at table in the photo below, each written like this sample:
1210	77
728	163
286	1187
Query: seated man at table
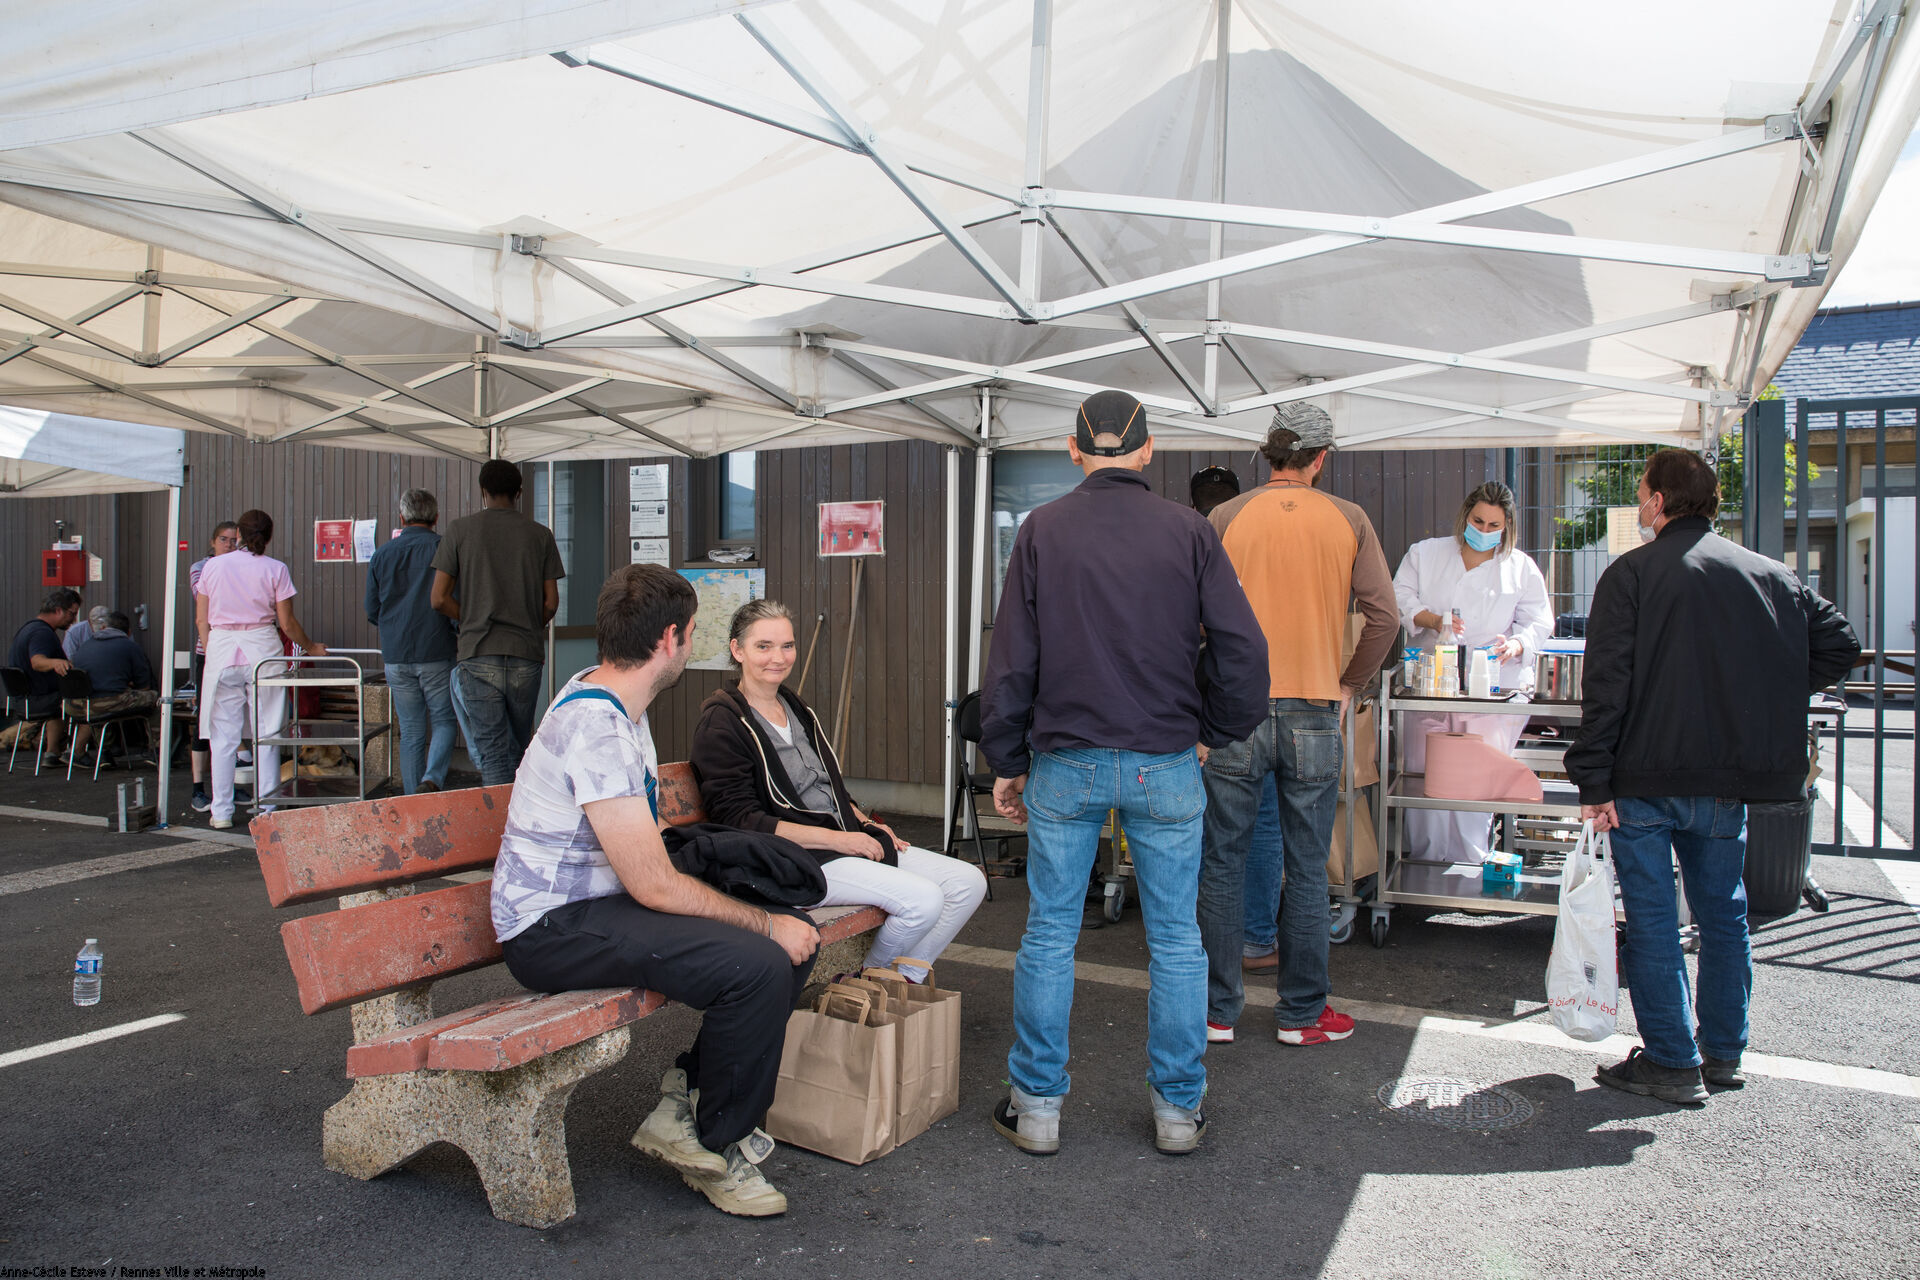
122	680
584	896
36	651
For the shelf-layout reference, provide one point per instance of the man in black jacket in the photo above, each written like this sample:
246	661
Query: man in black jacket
1700	658
1091	691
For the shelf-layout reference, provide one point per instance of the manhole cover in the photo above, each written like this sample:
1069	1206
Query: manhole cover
1455	1104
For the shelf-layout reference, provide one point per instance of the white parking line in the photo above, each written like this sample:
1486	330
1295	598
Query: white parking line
238	839
68	872
19	1056
1529	1032
1905	877
1857	818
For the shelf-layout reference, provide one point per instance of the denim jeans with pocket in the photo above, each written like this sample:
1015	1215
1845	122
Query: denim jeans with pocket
1264	853
1295	753
494	698
1709	837
1160	800
423	715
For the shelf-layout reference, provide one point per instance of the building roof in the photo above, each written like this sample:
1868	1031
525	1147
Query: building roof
1871	350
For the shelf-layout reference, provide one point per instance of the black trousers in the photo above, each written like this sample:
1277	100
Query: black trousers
744	983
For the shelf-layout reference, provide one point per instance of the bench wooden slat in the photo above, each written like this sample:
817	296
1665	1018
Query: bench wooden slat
680	801
406	1049
525	1032
325	851
342	957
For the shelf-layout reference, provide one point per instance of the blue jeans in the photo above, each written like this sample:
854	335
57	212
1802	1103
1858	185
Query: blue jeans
1160	806
494	698
1710	838
423	715
1263	878
1295	753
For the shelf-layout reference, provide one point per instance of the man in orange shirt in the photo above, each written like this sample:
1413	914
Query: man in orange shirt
1302	556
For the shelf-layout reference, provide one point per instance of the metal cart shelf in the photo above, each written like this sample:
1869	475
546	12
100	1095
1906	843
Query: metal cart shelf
336	670
1416	882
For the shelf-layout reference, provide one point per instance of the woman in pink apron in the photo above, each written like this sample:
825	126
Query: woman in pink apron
1474	589
244	602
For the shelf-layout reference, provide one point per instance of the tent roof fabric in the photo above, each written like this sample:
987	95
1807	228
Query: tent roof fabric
44	455
600	230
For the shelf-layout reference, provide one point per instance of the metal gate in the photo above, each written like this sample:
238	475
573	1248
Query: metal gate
1829	489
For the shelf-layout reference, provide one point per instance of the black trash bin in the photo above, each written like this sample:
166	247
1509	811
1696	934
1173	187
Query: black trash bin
1779	853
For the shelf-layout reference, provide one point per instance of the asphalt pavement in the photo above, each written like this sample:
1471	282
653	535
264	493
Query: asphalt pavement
195	1142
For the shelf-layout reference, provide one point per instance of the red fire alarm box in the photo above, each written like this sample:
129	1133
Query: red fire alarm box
63	568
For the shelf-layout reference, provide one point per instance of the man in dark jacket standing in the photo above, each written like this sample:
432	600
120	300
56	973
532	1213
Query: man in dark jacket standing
1090	704
416	644
1700	659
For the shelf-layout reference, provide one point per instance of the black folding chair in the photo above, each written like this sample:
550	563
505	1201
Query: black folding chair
968	785
20	703
76	687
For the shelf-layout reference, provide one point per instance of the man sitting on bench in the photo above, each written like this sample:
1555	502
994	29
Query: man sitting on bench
585	897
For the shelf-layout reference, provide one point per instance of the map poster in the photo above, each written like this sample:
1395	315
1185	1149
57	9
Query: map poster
852	528
333	540
721	592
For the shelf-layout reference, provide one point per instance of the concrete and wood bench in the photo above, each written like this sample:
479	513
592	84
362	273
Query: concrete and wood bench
493	1079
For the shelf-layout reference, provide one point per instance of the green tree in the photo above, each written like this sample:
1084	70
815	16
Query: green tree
1615	482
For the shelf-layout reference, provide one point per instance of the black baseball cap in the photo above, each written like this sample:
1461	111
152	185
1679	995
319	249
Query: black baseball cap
1110	413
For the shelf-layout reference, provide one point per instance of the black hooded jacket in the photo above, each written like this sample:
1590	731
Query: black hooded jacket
755	865
742	783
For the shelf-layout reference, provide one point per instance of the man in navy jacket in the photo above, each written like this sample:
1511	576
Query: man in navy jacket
1700	658
416	644
1090	704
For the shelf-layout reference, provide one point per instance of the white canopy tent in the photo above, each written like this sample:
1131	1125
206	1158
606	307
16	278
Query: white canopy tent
549	229
48	455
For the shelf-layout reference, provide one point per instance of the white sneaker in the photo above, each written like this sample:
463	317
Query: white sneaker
669	1135
1035	1129
742	1190
1218	1033
1176	1130
220	824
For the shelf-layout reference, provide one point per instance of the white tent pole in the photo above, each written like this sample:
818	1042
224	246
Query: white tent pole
982	493
1039	89
950	669
552	520
168	640
1216	233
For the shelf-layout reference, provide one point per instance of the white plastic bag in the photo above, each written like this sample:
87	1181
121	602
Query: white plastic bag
1583	987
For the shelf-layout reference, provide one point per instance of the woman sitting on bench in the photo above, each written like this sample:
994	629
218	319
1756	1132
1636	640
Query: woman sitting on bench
764	764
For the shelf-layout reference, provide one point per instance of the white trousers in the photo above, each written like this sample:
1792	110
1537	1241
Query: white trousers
1443	835
224	712
928	899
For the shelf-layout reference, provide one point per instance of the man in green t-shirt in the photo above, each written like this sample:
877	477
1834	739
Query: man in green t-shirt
497	575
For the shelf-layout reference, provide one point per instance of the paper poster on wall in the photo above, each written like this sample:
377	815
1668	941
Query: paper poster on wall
647	519
333	540
852	528
647	483
1623	530
649	551
96	568
364	532
720	592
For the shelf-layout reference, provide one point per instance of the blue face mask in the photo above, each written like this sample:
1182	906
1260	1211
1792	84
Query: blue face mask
1480	540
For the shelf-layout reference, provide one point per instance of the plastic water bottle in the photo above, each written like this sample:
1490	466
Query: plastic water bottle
86	973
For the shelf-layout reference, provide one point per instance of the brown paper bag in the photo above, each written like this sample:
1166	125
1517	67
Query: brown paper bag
839	1083
929	1047
1366	746
1366	845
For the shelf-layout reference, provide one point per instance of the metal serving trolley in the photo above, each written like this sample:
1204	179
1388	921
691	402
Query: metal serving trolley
336	671
1541	833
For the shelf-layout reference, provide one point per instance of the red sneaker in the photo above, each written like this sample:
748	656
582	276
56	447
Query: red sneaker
1218	1034
1330	1026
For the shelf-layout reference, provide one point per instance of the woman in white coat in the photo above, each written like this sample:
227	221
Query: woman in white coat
243	603
1473	589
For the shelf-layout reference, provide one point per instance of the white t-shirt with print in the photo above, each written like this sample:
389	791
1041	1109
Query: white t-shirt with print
585	750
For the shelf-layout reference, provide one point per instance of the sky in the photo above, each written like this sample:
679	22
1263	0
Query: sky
1885	266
